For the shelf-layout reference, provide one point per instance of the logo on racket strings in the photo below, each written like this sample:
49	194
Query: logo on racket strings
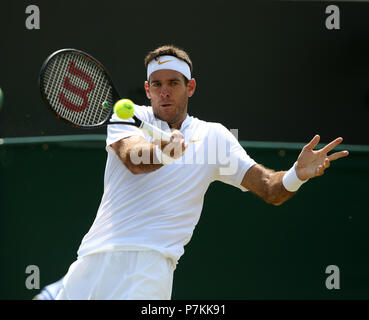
69	86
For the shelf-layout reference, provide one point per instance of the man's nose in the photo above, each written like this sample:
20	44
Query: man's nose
164	92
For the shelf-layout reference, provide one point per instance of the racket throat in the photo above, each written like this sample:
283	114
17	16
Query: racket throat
154	132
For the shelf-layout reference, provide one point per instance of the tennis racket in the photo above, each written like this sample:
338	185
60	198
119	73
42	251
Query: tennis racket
78	89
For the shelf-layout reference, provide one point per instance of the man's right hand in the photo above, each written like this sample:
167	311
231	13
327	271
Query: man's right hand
176	147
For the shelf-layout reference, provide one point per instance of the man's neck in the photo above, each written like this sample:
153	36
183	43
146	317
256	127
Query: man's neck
177	125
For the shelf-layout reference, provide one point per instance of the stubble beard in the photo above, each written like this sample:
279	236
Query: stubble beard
179	115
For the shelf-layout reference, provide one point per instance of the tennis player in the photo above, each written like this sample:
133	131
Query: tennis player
154	191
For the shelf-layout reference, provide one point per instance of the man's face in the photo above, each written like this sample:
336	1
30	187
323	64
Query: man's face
169	95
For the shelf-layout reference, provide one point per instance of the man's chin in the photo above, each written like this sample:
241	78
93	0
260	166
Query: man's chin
165	114
167	118
162	117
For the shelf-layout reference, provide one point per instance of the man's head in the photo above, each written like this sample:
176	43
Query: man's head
169	83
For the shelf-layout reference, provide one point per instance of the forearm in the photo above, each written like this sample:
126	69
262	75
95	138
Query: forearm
267	184
141	158
276	193
137	155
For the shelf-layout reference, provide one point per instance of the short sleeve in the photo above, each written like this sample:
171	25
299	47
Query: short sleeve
233	160
116	132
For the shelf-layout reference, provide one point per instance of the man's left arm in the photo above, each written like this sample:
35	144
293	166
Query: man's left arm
278	187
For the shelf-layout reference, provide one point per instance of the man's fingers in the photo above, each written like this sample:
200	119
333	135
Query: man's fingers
176	134
330	146
338	155
320	169
177	145
313	143
327	163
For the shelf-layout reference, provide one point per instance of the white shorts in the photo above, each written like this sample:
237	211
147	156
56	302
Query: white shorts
119	275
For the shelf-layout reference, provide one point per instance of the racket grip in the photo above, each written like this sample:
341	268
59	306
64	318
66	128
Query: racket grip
155	132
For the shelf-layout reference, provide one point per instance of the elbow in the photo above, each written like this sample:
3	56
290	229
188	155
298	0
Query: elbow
274	201
278	203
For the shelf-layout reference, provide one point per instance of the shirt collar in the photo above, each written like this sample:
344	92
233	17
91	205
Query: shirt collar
185	123
164	125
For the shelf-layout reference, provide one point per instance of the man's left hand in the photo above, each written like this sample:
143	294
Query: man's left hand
312	163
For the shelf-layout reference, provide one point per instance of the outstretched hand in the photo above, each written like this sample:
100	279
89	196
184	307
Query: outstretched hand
312	163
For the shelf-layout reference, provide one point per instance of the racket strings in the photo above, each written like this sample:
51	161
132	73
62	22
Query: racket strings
95	73
80	83
100	95
53	77
58	72
63	74
77	89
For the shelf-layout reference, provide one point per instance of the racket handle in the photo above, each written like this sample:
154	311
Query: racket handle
155	132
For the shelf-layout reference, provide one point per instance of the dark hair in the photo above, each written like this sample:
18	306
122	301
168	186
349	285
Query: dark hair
169	50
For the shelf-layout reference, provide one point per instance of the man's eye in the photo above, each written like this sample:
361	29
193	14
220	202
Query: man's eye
155	84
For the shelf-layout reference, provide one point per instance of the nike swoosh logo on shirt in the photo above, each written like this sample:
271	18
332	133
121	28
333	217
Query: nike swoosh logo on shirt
195	140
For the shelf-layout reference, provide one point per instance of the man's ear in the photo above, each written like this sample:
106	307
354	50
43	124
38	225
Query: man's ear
191	86
147	90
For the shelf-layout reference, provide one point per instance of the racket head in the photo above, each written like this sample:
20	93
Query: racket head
77	88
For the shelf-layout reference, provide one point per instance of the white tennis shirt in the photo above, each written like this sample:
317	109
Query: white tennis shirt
159	210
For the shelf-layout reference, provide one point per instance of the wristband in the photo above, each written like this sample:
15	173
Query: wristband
162	157
290	180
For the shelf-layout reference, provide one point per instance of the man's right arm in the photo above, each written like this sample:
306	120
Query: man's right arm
139	155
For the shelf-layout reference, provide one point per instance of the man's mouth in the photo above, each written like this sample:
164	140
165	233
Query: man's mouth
166	105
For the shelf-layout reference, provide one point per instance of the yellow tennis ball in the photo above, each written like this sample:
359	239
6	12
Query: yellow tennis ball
124	109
